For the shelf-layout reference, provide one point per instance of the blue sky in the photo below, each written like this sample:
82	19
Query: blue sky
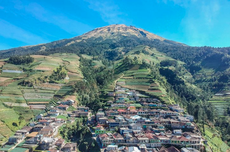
193	22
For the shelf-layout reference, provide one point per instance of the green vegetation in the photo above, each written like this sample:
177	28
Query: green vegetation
214	140
12	118
95	80
20	59
168	63
80	134
71	108
58	74
62	117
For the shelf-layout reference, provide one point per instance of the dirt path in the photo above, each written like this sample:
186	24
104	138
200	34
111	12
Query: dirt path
115	82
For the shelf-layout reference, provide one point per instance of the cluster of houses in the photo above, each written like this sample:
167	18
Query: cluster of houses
136	123
42	134
131	122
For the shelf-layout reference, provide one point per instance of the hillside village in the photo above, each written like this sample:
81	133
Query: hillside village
132	122
42	134
137	123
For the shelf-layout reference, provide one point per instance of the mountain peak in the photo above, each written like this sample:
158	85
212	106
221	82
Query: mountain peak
115	30
114	33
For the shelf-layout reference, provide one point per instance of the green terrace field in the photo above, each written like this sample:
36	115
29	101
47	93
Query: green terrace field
97	63
214	141
12	75
208	73
9	66
62	117
64	90
42	66
86	56
149	54
220	103
5	132
14	96
140	79
10	121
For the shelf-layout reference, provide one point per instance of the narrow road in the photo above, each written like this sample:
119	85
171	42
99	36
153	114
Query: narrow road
17	144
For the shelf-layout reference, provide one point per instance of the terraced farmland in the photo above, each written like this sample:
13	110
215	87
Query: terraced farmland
9	120
138	78
214	141
34	97
220	103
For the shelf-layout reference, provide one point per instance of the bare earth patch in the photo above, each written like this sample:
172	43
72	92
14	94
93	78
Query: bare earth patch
6	83
74	74
72	98
49	86
154	85
33	103
13	104
37	106
147	60
2	63
136	67
2	79
42	68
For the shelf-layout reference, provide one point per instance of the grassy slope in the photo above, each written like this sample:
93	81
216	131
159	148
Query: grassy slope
13	95
221	103
141	79
214	140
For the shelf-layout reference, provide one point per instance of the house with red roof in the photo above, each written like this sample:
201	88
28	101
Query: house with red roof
122	111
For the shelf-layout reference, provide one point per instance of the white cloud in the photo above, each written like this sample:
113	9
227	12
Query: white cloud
209	11
109	11
69	25
200	20
19	34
